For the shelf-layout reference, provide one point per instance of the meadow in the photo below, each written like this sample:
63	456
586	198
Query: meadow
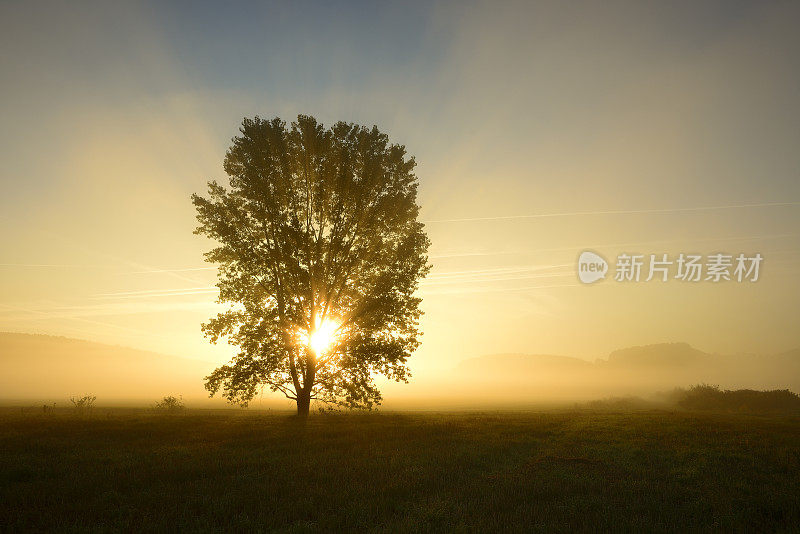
556	471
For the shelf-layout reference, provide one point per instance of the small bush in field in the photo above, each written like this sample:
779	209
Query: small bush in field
170	404
83	404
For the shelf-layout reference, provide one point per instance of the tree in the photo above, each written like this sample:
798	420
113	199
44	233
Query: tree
320	254
170	404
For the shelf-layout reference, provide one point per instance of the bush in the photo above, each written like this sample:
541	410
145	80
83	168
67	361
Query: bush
171	404
83	404
711	398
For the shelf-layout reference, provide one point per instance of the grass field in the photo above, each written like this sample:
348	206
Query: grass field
553	471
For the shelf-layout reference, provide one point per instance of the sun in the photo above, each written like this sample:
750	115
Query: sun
323	337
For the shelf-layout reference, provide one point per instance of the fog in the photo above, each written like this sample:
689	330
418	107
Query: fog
45	369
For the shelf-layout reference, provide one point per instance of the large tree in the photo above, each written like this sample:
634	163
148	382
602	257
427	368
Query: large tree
320	253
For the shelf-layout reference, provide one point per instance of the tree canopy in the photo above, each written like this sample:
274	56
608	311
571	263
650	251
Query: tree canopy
320	254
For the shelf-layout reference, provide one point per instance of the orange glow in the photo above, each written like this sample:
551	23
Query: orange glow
322	338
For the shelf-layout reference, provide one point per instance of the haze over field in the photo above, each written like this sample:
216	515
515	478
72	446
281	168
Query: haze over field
51	369
539	132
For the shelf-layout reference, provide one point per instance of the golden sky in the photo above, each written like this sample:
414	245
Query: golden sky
540	131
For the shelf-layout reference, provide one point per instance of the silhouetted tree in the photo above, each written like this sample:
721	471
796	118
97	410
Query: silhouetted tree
320	254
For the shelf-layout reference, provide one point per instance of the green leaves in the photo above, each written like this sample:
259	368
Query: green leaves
317	224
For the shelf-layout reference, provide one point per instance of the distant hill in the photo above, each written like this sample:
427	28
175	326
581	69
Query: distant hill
634	370
54	368
661	355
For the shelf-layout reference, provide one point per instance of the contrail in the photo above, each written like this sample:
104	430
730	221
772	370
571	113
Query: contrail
76	266
187	269
156	292
477	280
608	245
511	269
46	315
492	290
616	212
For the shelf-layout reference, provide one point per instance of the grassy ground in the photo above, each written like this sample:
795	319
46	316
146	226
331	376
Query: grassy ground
133	471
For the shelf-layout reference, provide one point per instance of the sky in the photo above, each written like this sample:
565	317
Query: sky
540	130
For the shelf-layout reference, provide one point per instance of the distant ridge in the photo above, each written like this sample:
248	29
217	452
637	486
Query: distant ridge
636	370
44	367
668	354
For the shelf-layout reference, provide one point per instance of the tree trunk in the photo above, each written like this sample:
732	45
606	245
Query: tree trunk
303	403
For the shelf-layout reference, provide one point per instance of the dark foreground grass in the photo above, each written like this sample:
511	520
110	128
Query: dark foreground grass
399	472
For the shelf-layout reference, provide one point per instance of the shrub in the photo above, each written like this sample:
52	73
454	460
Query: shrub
171	404
711	398
83	404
